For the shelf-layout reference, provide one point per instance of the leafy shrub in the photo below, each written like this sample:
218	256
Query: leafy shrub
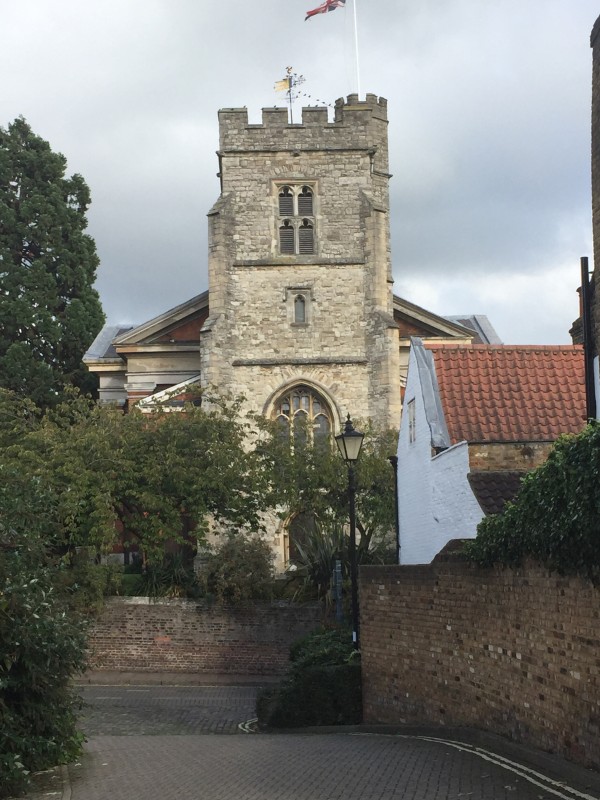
319	695
42	646
86	584
172	577
555	518
323	646
322	687
132	585
238	570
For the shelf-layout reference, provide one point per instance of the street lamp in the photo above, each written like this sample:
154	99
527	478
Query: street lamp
394	462
349	443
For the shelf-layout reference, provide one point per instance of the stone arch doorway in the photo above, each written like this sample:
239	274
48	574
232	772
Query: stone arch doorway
299	530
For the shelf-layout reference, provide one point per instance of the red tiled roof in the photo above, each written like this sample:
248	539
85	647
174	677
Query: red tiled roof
505	393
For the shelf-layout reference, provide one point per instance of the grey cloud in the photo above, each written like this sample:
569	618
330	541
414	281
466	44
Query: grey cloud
489	131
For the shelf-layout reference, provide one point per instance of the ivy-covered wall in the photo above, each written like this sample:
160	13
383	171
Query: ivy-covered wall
512	651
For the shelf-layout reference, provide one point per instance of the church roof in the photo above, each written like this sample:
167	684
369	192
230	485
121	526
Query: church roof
156	326
506	393
155	330
484	330
102	347
422	322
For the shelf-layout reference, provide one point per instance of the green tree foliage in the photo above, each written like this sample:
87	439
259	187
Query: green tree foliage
42	642
49	312
151	478
311	479
555	518
238	569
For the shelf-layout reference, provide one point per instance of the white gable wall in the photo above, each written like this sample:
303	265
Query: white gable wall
435	501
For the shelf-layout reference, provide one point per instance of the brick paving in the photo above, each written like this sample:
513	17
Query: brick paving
166	710
288	767
158	743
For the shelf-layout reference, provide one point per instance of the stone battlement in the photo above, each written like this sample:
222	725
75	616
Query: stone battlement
356	124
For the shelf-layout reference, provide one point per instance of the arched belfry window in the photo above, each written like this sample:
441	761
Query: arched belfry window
286	202
302	413
287	238
296	220
305	201
305	237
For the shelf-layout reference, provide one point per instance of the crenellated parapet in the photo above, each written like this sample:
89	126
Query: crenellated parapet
357	124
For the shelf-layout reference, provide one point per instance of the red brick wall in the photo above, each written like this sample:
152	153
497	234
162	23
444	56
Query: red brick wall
516	652
188	636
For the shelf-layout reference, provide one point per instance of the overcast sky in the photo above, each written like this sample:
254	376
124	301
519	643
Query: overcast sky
489	107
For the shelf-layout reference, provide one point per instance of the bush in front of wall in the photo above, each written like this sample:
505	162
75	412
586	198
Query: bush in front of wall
43	646
323	685
554	519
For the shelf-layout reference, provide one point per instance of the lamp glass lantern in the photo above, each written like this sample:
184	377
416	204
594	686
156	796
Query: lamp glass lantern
349	442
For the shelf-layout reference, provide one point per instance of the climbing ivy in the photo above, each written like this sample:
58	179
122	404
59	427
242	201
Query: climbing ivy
555	518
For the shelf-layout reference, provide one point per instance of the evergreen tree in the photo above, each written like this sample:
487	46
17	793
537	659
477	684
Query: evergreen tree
49	311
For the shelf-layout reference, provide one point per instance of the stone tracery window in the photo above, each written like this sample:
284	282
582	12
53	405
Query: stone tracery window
302	413
296	220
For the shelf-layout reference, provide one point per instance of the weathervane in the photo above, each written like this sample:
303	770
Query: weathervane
288	85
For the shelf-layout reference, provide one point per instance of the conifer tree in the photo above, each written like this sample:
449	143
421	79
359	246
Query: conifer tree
49	310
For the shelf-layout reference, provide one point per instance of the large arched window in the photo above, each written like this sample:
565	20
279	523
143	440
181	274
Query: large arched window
302	413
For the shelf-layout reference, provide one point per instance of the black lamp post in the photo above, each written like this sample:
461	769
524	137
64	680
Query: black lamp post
349	443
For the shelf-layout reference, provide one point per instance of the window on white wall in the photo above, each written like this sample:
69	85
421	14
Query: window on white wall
412	430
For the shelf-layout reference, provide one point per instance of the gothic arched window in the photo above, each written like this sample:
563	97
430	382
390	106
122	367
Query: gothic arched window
299	309
296	220
302	414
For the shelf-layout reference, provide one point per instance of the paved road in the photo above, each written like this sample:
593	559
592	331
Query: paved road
158	743
167	710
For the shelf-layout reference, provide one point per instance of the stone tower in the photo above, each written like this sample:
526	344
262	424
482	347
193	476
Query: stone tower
301	318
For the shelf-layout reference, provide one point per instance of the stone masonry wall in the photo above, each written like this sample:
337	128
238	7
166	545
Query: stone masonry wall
135	635
519	456
516	652
251	345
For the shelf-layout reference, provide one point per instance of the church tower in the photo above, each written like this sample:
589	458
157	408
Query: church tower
300	284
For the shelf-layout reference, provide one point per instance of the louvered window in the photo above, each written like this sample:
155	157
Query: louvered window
296	220
305	238
287	234
286	202
305	202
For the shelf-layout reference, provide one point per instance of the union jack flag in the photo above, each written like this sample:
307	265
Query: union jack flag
328	5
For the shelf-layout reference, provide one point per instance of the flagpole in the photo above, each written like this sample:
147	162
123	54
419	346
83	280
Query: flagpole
356	48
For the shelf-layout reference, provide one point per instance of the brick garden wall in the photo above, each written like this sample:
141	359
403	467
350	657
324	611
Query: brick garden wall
134	635
516	652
